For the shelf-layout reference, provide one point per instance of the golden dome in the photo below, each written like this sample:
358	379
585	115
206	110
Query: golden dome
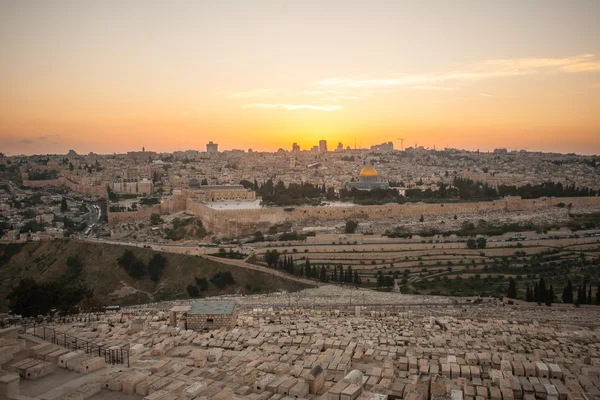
368	170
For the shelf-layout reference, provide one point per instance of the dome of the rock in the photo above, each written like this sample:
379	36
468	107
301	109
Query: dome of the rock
368	171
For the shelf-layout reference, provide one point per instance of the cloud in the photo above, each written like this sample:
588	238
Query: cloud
292	107
537	63
486	95
253	93
583	67
322	92
487	69
335	99
47	137
431	87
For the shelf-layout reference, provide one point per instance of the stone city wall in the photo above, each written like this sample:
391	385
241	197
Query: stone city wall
62	181
243	222
116	218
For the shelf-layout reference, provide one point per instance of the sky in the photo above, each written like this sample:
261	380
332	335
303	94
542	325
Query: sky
112	76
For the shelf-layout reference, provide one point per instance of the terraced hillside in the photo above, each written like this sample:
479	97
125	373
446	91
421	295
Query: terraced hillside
437	266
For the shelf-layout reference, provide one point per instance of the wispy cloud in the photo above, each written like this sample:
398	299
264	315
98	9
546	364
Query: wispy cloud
487	69
253	93
322	92
432	87
486	95
291	107
335	99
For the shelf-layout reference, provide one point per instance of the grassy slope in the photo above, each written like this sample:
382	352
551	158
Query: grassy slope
46	261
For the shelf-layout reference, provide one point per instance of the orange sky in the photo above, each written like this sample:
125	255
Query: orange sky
114	76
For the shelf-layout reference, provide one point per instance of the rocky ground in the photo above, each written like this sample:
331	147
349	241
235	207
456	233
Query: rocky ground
339	343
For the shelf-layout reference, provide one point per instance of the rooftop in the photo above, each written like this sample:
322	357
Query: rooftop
212	307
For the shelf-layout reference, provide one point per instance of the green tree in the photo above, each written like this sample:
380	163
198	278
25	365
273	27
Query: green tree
351	226
471	243
155	219
30	298
75	267
481	243
193	291
202	284
222	279
323	275
64	207
155	266
512	289
271	258
598	295
580	296
379	279
421	219
550	296
567	296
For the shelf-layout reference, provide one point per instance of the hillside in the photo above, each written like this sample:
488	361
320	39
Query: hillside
47	261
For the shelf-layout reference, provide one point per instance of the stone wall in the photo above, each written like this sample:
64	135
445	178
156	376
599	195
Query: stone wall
87	190
244	222
199	322
116	218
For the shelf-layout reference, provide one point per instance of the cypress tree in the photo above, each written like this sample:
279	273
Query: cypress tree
550	296
314	272
589	296
512	289
323	277
542	292
536	294
568	293
598	295
579	296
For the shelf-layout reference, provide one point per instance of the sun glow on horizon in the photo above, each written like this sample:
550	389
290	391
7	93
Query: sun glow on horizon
110	78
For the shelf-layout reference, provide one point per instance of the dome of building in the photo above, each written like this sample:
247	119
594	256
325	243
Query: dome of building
194	183
368	171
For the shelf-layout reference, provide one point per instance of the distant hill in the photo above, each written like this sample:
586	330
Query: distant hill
47	261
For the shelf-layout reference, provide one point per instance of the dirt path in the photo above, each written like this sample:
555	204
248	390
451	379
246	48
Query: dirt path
244	264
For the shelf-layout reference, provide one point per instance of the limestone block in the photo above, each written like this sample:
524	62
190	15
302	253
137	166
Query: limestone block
63	360
285	387
542	370
143	388
131	381
351	392
37	371
55	355
555	371
301	389
335	392
194	390
87	365
9	384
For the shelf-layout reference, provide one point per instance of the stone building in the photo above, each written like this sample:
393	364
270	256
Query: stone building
205	315
210	193
368	180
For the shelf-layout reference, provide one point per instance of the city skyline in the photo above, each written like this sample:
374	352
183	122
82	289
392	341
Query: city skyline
111	77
